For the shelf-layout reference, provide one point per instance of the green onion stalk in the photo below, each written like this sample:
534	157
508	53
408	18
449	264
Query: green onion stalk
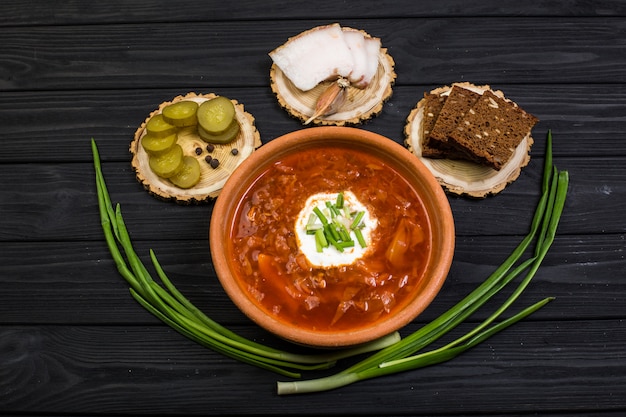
407	354
173	308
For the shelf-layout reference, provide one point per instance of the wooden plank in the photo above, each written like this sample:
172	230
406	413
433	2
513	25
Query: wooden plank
56	126
42	12
141	369
583	272
426	51
73	341
55	201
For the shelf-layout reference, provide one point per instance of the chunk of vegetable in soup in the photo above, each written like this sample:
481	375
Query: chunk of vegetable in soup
275	271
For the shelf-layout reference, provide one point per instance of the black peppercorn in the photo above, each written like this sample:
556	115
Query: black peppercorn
214	163
234	151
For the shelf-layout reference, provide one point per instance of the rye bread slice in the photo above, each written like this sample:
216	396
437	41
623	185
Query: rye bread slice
458	103
433	103
491	130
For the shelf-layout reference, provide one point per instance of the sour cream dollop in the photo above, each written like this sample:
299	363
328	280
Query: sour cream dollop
331	256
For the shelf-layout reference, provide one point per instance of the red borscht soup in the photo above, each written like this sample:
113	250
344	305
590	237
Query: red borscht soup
283	281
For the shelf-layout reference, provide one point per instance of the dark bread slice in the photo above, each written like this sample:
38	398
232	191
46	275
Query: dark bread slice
491	130
433	103
458	103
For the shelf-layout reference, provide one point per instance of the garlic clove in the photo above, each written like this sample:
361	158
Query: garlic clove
331	99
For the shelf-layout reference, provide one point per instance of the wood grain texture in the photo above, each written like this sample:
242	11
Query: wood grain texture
87	369
74	342
435	50
583	272
38	12
60	200
585	118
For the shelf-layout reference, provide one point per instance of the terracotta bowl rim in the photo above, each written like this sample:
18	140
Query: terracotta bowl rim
237	184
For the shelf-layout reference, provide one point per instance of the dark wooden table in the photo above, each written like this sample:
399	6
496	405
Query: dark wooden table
74	342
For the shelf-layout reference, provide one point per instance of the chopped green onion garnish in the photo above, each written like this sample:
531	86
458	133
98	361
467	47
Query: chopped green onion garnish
331	232
359	237
339	203
346	244
332	219
334	242
320	240
320	215
334	211
312	226
343	232
357	220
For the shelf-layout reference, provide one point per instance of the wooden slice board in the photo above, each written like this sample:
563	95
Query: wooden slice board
360	105
459	176
212	179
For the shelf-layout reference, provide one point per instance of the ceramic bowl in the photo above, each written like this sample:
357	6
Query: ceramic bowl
438	214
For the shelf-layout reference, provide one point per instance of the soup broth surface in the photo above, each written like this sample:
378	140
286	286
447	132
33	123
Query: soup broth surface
273	269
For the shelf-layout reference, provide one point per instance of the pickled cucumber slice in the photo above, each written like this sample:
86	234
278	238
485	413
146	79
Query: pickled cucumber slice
181	114
189	175
159	127
216	115
167	164
226	136
155	145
